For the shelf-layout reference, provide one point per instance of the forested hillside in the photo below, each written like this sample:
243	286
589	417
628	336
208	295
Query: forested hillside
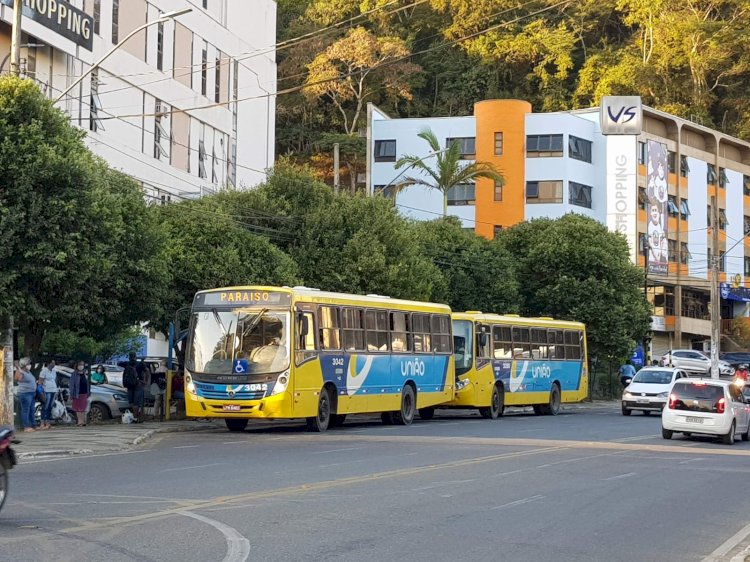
437	57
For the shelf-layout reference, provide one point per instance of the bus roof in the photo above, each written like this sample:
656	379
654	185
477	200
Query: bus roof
308	294
544	322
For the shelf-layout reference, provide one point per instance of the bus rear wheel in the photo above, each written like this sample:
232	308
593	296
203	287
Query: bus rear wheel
234	424
408	407
497	405
320	423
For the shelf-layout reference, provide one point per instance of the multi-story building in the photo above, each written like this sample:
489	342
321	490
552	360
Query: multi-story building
657	187
185	106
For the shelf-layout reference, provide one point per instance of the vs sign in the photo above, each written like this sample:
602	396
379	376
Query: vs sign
621	115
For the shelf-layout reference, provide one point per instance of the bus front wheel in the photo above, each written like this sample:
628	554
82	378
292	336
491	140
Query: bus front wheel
321	422
497	405
408	406
234	424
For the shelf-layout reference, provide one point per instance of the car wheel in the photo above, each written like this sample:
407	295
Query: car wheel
646	412
3	483
666	433
99	413
728	439
746	436
626	411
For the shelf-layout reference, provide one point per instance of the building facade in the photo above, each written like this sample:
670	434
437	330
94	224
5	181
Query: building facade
185	106
665	188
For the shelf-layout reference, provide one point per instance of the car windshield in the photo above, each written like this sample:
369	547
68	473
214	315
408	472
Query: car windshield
241	341
653	377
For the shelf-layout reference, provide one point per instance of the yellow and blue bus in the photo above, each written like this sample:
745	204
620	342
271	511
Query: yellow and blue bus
280	352
512	361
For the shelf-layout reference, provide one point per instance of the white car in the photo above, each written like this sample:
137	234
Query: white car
706	406
694	361
649	389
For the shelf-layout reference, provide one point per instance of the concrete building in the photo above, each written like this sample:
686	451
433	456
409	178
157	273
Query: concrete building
656	187
185	106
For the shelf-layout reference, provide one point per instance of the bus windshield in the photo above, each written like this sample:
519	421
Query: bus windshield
463	345
220	337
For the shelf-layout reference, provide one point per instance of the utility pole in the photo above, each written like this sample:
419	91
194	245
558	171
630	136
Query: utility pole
6	374
15	40
715	303
336	168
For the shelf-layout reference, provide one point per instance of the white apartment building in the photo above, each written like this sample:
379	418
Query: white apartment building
185	106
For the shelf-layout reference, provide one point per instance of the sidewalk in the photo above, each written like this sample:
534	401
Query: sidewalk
100	438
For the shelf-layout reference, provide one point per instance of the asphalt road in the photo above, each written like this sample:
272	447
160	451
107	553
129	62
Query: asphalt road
585	485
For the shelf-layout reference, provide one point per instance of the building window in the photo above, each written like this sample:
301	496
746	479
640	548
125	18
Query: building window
723	180
709	217
462	194
544	191
684	168
723	222
205	4
672	161
385	151
95	104
496	230
722	260
671	206
579	194
747	266
160	132
498	144
467	145
746	225
580	149
217	78
214	176
672	248
642	198
684	253
498	191
385	190
746	184
115	21
97	15
160	46
204	69
540	146
641	152
684	209
711	174
202	160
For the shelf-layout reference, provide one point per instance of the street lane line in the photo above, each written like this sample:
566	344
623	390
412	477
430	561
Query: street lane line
518	502
186	447
191	467
76	457
621	476
725	547
238	547
336	450
693	460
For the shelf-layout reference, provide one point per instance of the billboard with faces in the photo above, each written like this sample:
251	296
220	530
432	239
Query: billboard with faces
657	210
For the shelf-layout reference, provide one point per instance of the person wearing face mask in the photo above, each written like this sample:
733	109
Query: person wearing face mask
26	392
79	392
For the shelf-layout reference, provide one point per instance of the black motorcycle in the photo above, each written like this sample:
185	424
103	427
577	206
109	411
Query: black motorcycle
7	460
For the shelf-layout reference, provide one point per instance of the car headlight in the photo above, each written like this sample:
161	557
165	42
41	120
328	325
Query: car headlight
281	383
663	395
120	397
627	394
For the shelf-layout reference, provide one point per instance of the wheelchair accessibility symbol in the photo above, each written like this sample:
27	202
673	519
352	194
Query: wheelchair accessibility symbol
240	367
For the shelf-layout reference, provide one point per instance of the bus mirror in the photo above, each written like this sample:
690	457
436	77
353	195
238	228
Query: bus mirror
304	326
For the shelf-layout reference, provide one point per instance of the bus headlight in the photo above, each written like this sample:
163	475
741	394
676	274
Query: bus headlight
462	383
281	383
189	384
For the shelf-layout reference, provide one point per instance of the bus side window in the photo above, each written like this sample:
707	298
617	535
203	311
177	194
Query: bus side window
399	332
501	342
305	331
421	332
354	330
441	333
484	340
330	332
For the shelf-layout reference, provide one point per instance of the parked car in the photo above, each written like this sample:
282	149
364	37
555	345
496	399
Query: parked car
736	358
694	361
107	401
112	372
706	406
649	389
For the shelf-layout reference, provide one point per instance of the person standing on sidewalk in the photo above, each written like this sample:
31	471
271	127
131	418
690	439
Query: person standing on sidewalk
79	392
158	388
133	380
48	378
26	393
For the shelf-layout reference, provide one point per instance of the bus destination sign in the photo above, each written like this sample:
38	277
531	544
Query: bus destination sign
243	297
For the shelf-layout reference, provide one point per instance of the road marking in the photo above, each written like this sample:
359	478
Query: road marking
191	467
336	450
693	460
620	476
518	502
725	547
636	438
238	547
342	463
76	457
186	447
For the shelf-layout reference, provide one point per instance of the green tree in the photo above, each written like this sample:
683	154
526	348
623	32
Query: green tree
573	268
448	171
79	250
477	273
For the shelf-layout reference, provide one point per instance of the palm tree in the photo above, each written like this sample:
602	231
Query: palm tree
448	171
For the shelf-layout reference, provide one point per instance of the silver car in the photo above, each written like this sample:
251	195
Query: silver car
107	401
694	361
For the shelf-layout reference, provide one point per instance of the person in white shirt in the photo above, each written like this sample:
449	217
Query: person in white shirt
48	378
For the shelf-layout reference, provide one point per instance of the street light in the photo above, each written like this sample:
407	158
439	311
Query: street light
160	19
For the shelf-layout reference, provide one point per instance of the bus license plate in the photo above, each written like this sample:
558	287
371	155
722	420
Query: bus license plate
693	419
231	407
